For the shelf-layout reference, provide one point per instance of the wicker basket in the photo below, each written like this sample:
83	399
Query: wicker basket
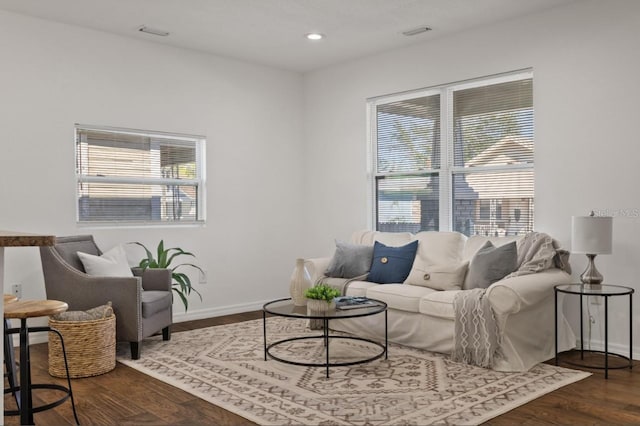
90	346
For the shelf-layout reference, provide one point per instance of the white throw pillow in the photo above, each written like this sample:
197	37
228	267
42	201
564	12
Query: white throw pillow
113	263
438	277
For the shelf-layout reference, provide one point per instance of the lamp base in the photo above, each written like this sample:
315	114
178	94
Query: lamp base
591	274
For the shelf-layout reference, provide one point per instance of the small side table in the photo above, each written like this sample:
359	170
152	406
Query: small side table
605	291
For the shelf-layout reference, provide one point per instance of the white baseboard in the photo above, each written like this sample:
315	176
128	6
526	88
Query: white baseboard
218	312
179	317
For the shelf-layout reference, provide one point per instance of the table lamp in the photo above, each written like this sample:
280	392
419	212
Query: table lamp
591	235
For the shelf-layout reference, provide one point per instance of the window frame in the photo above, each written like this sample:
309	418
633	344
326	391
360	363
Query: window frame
447	169
199	143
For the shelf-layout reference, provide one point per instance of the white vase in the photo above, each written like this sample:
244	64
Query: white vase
300	281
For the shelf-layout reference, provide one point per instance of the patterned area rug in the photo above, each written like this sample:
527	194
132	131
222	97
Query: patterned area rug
225	365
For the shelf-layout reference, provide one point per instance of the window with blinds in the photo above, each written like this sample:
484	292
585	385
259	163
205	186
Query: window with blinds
138	177
477	179
408	153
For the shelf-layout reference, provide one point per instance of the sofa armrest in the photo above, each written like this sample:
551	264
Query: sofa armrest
316	267
158	279
511	295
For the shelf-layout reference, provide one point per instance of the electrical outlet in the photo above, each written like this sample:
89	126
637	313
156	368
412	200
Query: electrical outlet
16	289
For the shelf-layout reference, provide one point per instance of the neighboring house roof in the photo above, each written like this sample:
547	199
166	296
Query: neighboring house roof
518	184
509	150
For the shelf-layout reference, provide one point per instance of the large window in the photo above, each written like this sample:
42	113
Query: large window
138	177
456	157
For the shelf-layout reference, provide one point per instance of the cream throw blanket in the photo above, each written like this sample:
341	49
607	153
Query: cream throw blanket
477	337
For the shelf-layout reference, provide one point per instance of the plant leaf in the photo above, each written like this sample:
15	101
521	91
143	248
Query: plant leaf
184	299
188	264
162	255
180	252
149	258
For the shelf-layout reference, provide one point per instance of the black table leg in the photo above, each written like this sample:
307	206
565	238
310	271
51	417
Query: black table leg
581	330
630	330
386	336
555	304
326	341
606	337
264	333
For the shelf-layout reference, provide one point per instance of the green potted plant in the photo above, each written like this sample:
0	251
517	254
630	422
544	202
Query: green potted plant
320	297
181	282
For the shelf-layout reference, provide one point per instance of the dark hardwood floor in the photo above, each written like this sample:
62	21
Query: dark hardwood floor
126	397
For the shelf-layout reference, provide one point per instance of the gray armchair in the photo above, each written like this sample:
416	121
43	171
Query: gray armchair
142	304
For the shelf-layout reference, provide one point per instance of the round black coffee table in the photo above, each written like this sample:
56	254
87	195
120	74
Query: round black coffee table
286	308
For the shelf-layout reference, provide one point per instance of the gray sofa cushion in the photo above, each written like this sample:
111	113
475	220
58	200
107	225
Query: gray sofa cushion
154	302
491	264
350	260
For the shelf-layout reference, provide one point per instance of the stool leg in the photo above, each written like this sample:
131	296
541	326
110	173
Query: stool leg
66	367
10	363
26	407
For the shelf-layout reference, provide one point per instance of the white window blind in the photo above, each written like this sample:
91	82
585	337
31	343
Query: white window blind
408	151
493	176
132	176
478	178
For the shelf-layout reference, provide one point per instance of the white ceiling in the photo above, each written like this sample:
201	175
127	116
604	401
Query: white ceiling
270	32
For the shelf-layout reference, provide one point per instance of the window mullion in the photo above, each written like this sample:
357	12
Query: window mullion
446	143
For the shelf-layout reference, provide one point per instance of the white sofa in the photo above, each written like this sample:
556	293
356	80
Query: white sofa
422	317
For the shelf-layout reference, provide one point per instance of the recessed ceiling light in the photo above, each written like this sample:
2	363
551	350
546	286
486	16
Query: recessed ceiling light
153	31
416	31
314	36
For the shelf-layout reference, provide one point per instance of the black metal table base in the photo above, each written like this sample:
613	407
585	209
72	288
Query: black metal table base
581	291
326	337
629	363
328	363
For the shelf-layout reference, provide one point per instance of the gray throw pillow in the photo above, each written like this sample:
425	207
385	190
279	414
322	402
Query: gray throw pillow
350	260
491	264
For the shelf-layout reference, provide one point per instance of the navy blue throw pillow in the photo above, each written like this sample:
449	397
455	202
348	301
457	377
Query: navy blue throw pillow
392	264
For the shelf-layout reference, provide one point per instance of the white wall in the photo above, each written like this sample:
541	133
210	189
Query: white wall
586	65
54	75
266	188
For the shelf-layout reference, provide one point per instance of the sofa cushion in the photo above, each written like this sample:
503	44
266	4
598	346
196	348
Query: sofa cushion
350	260
358	288
399	296
438	304
475	242
394	239
154	302
491	264
438	263
440	248
391	264
438	277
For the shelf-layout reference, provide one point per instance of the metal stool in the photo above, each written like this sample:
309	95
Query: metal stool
23	310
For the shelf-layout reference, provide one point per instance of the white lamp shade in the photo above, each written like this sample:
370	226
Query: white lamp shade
591	234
